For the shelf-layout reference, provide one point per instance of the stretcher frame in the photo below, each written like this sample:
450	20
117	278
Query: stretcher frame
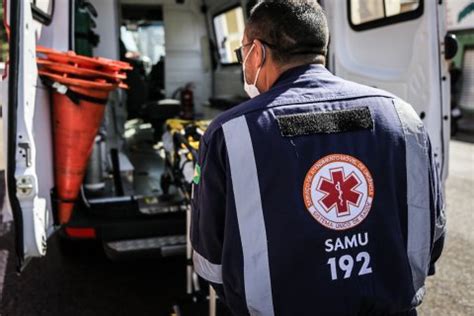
177	129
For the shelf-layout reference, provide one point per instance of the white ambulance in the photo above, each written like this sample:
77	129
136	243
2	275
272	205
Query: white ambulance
396	45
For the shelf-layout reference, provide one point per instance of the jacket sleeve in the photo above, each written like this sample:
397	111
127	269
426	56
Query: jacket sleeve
208	209
437	205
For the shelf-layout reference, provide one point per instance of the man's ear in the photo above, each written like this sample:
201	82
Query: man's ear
258	58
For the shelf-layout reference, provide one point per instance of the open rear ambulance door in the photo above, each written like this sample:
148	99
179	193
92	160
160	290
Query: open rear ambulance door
29	170
396	45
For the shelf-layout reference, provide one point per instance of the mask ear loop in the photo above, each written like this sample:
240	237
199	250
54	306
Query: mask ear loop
248	54
261	66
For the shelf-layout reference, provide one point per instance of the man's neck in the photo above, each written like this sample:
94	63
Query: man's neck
285	68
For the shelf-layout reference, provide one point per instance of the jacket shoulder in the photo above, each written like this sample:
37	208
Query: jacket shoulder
224	117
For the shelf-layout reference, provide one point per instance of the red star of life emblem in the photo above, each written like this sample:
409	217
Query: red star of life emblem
340	192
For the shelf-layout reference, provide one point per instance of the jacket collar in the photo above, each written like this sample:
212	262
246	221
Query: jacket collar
295	73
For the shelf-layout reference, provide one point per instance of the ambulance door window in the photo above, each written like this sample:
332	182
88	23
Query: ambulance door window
367	14
229	30
42	10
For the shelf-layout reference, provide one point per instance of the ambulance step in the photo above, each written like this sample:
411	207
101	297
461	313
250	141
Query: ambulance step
154	205
165	246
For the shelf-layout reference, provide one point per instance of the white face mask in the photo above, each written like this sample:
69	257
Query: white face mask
251	89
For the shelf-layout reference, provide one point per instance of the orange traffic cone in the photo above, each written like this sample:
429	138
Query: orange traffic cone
75	127
80	88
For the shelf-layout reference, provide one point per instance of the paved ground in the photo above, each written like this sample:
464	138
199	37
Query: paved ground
451	291
89	284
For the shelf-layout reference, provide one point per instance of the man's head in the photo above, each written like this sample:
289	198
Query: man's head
282	34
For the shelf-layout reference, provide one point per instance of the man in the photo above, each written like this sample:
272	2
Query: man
318	196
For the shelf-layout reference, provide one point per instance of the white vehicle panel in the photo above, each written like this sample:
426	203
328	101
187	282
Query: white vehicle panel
184	30
33	207
403	58
33	157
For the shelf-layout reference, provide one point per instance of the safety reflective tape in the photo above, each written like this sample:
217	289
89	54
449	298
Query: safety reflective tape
243	168
207	270
418	194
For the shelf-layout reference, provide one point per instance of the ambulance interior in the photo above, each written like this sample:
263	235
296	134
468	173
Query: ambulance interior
174	47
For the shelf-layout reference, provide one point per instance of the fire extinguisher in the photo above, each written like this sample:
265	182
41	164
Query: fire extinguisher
187	102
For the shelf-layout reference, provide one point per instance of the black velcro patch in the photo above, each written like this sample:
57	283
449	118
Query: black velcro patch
325	122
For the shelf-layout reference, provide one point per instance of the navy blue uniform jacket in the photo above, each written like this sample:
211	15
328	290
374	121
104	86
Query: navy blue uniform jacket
318	197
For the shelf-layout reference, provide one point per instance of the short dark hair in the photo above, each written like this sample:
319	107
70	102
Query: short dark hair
296	30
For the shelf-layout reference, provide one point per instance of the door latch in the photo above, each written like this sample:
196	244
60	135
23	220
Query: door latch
25	186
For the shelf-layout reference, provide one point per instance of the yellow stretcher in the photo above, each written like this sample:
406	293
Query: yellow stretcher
181	143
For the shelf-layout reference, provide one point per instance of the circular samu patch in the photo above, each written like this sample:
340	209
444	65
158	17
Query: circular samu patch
338	191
